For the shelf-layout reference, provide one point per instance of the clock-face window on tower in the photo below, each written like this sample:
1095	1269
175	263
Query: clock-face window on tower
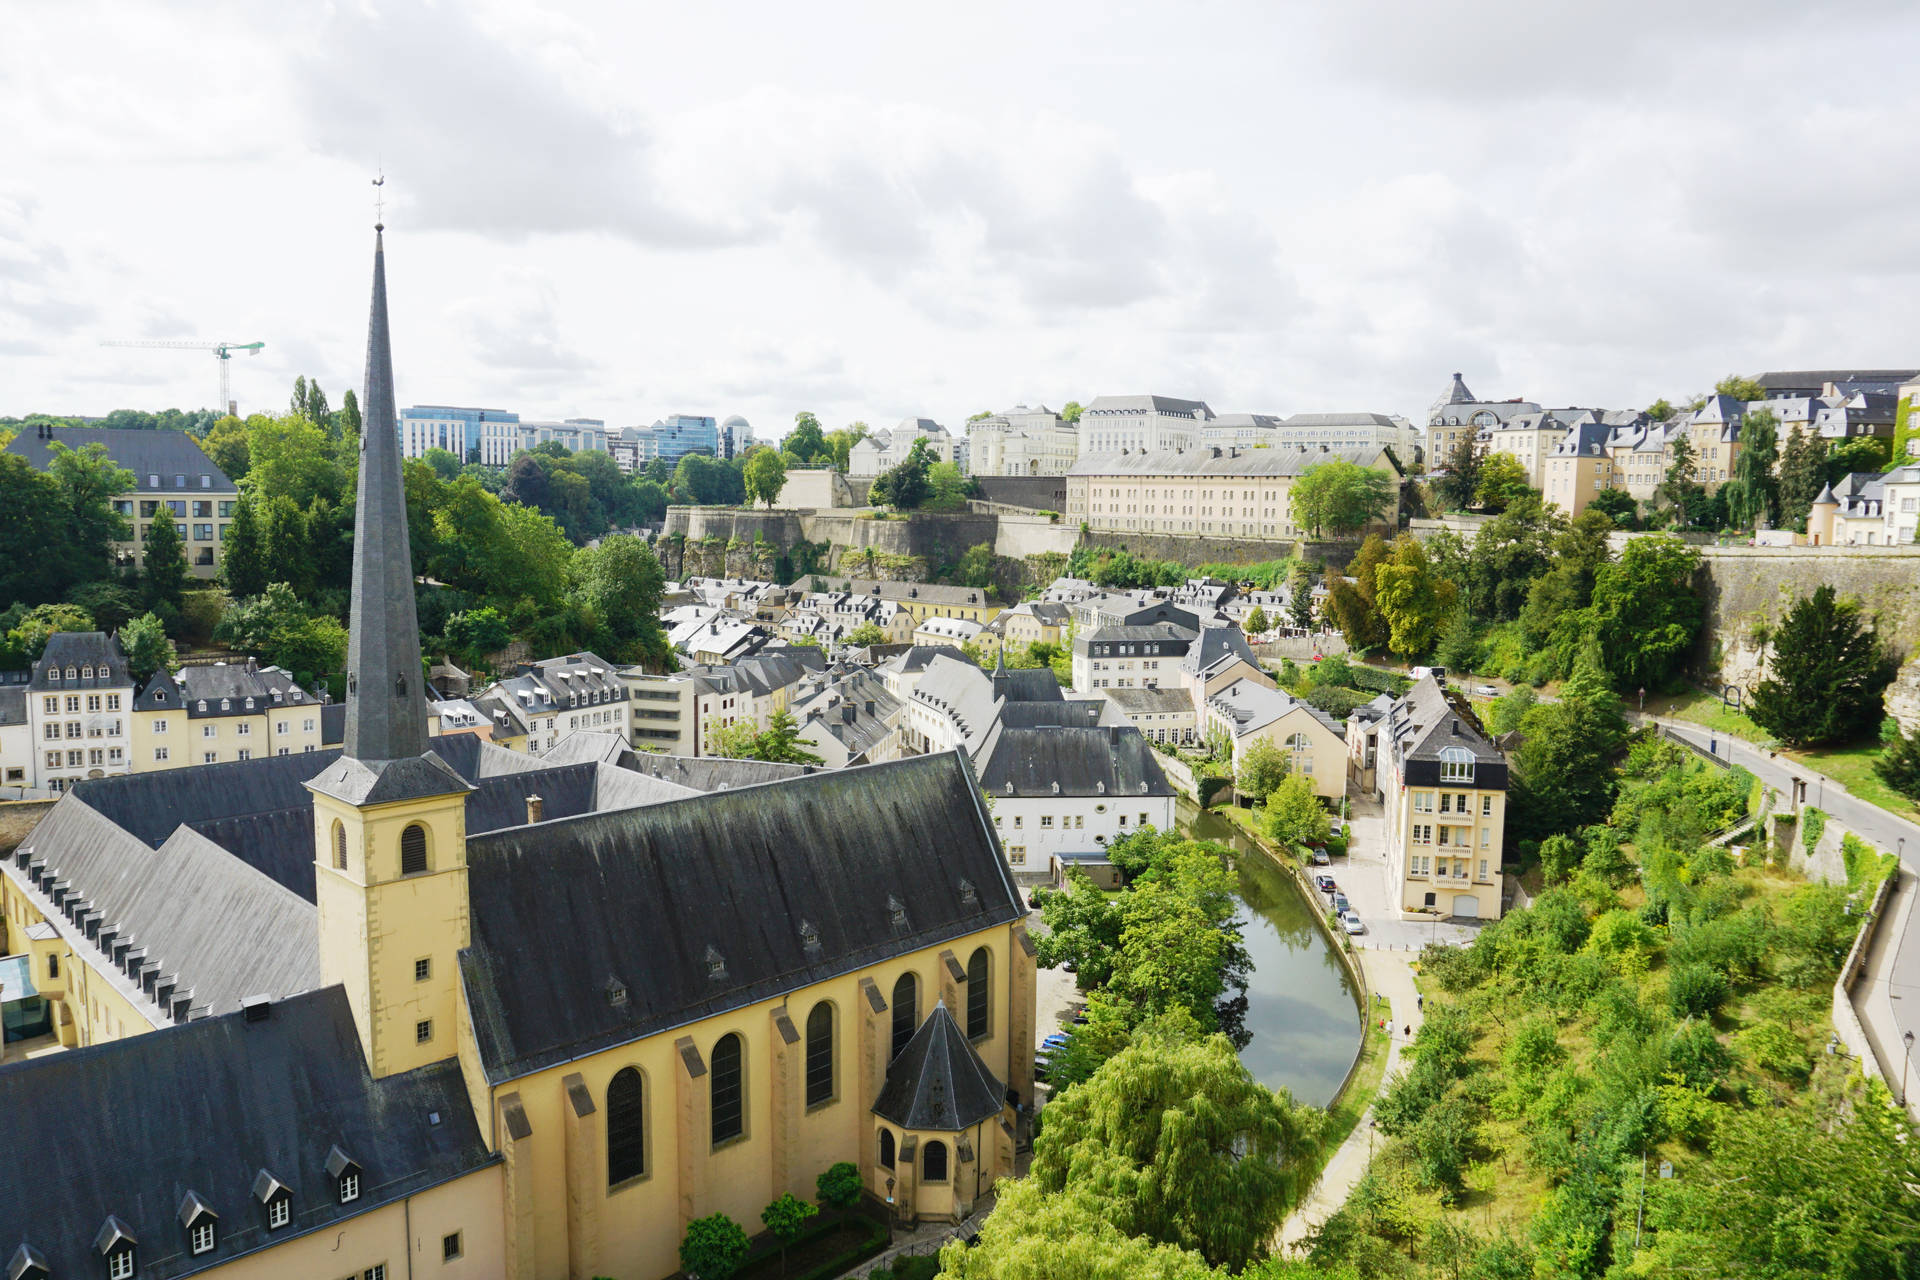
413	850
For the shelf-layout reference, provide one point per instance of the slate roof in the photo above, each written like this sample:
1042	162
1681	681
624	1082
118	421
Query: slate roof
204	1108
713	773
1107	761
214	682
1340	420
145	453
1423	724
1217	647
938	1081
906	592
1458	393
1251	705
80	650
1813	379
1151	701
1025	684
1222	462
1149	404
719	901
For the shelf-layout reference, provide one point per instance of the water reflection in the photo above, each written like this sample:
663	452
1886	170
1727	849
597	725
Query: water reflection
1301	1025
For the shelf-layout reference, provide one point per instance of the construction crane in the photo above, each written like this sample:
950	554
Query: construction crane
223	351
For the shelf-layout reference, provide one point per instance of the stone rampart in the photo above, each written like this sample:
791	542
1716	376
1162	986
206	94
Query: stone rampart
18	818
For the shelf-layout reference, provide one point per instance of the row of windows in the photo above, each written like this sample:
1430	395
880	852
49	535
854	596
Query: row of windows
626	1092
1420	866
1423	833
1077	820
51	703
203	1228
95	756
51	730
1451	802
82	673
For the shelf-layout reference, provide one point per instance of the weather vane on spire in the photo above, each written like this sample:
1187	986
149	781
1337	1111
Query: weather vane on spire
380	202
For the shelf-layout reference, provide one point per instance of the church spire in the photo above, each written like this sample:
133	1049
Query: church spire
386	701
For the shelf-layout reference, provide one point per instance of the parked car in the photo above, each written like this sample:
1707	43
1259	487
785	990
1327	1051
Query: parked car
1486	691
1351	922
1320	858
1340	903
1053	1041
1324	884
1033	899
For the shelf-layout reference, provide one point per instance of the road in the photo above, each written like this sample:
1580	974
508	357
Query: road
1869	821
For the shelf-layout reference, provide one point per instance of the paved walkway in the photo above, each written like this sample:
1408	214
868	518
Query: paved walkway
1390	974
1877	997
1363	875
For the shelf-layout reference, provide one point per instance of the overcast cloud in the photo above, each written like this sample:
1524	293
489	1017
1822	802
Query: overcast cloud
622	211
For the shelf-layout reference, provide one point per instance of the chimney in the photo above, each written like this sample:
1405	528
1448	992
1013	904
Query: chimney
256	1008
536	808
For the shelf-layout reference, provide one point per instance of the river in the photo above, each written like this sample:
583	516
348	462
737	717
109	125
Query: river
1301	1011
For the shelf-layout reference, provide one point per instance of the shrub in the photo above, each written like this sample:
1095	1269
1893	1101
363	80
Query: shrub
1775	1049
840	1186
1695	991
714	1247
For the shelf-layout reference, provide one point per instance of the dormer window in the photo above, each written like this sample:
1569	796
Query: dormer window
201	1223
160	696
276	1197
87	671
1456	765
226	704
249	704
345	1172
116	1244
71	673
716	964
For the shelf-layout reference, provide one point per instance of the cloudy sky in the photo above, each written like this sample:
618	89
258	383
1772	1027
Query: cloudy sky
620	211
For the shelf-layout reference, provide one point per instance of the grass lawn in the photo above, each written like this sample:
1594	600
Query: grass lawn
1704	709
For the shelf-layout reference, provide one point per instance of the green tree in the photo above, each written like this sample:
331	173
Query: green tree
284	535
1300	598
1619	507
27	638
346	423
1463	466
806	441
277	627
1743	389
781	742
1351	602
713	1248
1826	675
1412	599
147	648
1509	553
1899	765
905	487
36	562
976	567
1680	487
1173	1140
1753	492
1294	814
840	1186
472	634
89	481
765	475
1032	1235
1083	929
1071	411
1862	453
290	458
1645	610
164	571
622	583
1562	769
1459	646
1339	496
1660	410
244	560
1257	621
787	1218
1503	481
1803	467
1262	768
866	634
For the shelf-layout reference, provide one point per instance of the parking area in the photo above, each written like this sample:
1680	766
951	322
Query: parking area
1363	876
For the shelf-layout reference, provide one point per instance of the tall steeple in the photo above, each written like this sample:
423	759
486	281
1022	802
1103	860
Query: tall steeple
386	699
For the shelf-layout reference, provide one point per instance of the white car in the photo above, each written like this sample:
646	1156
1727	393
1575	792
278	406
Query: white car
1351	923
1486	691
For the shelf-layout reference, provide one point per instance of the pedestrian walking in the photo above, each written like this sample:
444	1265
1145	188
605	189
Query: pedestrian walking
1420	1003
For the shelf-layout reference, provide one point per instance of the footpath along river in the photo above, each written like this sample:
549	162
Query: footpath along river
1301	1009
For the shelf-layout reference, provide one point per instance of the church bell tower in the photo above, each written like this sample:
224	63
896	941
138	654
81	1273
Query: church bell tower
390	865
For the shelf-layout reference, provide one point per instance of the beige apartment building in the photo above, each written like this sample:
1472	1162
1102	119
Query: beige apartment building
1221	492
172	478
214	712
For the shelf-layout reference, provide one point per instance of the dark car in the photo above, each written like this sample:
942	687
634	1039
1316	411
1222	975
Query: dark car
1340	903
1324	884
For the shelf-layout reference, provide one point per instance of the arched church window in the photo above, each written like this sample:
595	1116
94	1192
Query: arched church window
906	1012
626	1127
729	1103
413	849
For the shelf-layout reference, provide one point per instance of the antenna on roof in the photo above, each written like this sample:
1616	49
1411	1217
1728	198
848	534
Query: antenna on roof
380	200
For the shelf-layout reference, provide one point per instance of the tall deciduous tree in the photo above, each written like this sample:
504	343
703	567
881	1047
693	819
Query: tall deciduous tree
1338	496
1294	814
163	569
89	481
806	441
1803	470
1463	466
1031	1235
144	640
1173	1140
1827	673
1351	600
1503	481
1753	492
1412	598
1645	610
36	562
1262	768
1680	487
765	475
1563	775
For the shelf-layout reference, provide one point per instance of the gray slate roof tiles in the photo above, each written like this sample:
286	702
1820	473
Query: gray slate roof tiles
938	1081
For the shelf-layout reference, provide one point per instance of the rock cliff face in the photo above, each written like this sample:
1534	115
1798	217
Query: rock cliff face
1747	588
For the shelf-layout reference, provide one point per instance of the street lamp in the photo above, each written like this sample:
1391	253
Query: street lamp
1906	1063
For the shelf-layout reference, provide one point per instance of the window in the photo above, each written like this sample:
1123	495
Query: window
209	730
378	1271
423	1031
120	1264
279	1212
1422	833
73	699
626	1126
906	1012
933	1162
413	849
200	1235
1016	855
979	995
113	702
1423	802
886	1148
349	1186
246	728
1483	868
339	845
820	1054
1456	765
422	969
159	726
209	757
450	1247
1486	806
729	1103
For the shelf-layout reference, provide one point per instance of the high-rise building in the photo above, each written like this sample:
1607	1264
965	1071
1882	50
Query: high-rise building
486	436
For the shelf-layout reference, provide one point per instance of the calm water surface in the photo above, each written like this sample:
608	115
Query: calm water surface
1300	1002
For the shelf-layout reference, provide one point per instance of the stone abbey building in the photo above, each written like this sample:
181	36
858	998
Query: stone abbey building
430	1007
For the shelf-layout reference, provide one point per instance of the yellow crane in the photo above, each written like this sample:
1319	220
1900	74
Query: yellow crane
223	351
